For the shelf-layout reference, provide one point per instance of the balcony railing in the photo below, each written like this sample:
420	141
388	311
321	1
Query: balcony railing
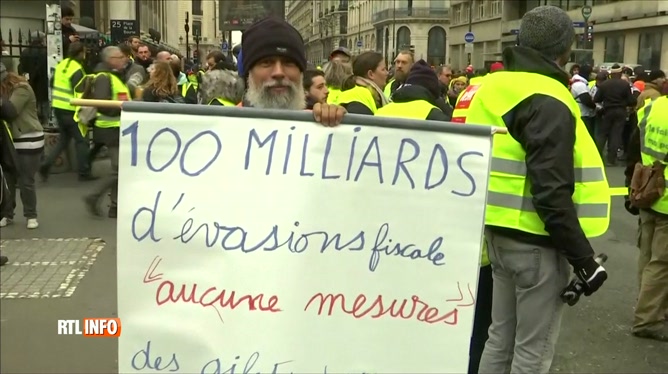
425	13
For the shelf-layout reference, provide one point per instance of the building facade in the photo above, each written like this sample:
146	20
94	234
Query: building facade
329	29
623	31
418	25
299	13
204	34
361	33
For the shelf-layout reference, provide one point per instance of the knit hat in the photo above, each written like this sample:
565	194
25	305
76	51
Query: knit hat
655	74
422	75
270	37
496	67
548	30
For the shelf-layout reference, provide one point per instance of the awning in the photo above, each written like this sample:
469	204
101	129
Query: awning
83	29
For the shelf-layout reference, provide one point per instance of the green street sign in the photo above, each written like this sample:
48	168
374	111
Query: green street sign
586	11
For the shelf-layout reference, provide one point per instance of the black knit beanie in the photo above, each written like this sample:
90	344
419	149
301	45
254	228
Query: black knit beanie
422	75
272	36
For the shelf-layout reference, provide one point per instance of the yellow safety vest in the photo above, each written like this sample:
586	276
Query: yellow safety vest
222	102
476	80
333	95
359	94
119	92
388	88
417	109
63	91
653	125
509	201
185	88
591	84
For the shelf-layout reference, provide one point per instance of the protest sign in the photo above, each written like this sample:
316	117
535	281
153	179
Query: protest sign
257	241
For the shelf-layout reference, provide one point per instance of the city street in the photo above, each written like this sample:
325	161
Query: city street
62	271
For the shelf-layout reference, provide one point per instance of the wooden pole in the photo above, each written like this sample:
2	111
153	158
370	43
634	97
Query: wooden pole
97	103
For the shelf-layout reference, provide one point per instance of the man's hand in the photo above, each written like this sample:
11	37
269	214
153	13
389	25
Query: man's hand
591	274
74	38
328	115
630	208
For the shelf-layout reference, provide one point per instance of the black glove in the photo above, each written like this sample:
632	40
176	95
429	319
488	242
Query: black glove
591	274
630	208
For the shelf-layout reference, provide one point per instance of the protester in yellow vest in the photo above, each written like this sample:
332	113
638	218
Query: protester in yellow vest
108	85
337	72
418	97
363	91
652	305
547	193
67	75
402	65
221	87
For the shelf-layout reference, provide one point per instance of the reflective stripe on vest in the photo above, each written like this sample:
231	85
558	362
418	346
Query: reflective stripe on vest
388	89
417	109
222	102
358	94
509	201
9	131
653	126
62	91
120	92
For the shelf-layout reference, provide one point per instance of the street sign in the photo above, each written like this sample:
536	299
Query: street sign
121	29
469	37
586	11
359	44
468	48
514	31
578	24
225	46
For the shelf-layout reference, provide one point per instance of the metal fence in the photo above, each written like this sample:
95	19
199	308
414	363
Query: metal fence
13	43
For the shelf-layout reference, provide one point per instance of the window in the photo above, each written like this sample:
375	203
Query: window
649	50
457	15
197	28
481	10
614	49
495	8
197	8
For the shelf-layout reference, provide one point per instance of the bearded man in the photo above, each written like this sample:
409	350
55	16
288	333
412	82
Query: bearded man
274	61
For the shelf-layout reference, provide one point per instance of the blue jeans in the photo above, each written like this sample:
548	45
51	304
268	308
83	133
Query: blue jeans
69	130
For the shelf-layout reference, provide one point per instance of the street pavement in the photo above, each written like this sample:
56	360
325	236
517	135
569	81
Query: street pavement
66	269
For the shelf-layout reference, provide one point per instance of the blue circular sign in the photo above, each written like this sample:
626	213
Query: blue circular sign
359	43
469	37
225	46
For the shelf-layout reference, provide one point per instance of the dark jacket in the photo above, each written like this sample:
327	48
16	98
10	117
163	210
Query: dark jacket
407	94
615	94
150	95
33	61
67	32
545	128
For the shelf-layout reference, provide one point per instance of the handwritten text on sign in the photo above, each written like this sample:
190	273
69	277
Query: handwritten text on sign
266	246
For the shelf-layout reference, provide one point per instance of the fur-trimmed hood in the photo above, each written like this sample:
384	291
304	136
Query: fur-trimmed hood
223	84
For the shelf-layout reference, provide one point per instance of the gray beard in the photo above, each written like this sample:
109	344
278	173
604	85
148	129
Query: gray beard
260	97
